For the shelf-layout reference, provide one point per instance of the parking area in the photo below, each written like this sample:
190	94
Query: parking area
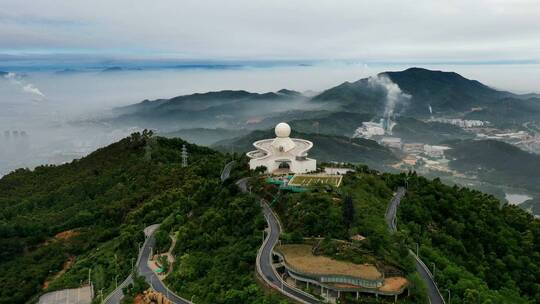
81	295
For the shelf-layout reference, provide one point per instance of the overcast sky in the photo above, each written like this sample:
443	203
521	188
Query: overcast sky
417	31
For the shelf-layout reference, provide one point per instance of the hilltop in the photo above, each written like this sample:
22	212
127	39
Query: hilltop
445	92
103	201
232	108
415	91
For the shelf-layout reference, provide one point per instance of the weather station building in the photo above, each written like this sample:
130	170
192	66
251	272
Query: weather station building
282	154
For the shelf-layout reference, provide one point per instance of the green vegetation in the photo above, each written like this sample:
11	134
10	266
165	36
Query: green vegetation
139	286
497	162
98	198
218	237
337	123
413	130
204	136
58	222
104	201
358	207
484	252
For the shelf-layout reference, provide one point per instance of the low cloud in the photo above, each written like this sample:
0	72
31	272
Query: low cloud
25	86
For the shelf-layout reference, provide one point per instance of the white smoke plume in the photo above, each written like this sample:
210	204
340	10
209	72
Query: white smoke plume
394	95
25	86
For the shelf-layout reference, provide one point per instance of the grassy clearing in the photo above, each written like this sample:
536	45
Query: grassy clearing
304	180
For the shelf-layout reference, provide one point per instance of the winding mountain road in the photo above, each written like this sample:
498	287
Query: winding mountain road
264	256
226	172
150	277
434	294
391	211
144	255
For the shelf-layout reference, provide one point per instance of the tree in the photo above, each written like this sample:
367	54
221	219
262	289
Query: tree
348	211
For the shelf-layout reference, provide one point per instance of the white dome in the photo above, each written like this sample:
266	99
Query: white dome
283	130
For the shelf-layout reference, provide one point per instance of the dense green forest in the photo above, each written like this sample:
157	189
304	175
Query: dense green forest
97	208
483	252
58	222
357	207
218	232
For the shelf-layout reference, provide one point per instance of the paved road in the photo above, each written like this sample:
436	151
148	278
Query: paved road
433	292
391	211
390	216
264	256
151	277
227	170
146	272
116	296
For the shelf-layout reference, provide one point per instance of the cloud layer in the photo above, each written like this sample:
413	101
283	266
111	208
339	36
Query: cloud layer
255	29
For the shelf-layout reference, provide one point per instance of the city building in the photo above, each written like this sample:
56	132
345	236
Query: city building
413	148
282	154
391	142
435	151
462	123
370	129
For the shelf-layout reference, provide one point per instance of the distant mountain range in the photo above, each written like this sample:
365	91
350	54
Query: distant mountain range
446	93
228	108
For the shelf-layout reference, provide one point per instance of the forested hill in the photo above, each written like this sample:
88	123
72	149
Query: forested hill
445	92
56	216
483	252
59	222
497	162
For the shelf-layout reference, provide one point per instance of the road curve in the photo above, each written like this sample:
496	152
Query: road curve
116	295
144	255
391	211
226	172
264	256
150	277
434	294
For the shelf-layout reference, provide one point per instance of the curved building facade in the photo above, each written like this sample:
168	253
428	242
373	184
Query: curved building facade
282	153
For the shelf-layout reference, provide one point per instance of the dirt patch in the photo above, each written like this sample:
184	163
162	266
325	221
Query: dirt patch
61	236
394	284
64	235
67	264
139	299
301	258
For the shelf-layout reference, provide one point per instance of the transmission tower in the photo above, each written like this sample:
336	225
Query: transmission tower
184	156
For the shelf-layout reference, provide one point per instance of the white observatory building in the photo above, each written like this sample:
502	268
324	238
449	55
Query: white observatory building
282	154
